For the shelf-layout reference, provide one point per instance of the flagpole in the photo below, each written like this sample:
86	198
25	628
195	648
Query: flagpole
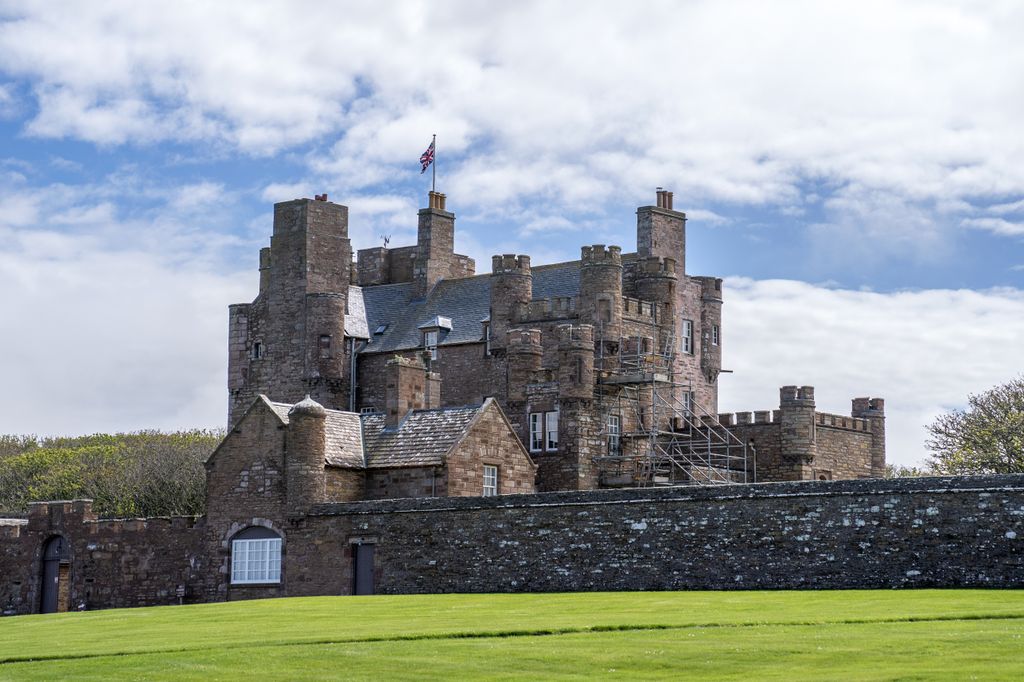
433	166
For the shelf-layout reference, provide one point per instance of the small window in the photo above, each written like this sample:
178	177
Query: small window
688	337
536	431
614	435
325	346
381	328
687	399
714	335
551	429
430	343
490	480
257	350
487	340
256	557
369	409
604	310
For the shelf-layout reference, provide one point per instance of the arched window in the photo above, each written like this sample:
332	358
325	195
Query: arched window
256	557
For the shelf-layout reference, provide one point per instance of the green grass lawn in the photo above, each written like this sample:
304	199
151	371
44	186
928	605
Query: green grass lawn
863	635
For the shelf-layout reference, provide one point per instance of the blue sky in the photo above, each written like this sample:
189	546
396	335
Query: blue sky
852	169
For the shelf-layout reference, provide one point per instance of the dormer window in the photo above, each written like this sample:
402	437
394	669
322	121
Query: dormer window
432	333
430	343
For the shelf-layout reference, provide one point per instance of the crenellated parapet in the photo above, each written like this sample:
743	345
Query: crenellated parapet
510	264
599	254
525	354
553	308
575	361
873	410
511	293
600	300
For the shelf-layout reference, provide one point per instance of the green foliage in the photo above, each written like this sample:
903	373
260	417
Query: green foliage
985	438
809	635
900	471
146	473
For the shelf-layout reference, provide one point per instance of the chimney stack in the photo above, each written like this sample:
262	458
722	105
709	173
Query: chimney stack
409	386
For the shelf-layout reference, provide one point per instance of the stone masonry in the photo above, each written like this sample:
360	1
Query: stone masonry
930	532
326	327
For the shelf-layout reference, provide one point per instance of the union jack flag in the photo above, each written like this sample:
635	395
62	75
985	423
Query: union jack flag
427	158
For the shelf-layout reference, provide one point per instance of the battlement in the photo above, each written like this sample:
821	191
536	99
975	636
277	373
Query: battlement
802	396
655	266
549	308
576	335
868	407
710	288
510	264
637	309
599	254
527	340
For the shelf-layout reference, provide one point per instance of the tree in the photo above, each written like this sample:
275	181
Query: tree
147	473
902	471
985	438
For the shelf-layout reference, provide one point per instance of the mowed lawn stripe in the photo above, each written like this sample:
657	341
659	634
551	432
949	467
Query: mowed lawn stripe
941	649
337	620
392	618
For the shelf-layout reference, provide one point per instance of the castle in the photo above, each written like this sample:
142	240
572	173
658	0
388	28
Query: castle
405	425
607	367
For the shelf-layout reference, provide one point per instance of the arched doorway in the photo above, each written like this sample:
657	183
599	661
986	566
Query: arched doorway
56	590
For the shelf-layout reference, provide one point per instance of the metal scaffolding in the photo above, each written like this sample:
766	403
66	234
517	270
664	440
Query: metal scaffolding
672	439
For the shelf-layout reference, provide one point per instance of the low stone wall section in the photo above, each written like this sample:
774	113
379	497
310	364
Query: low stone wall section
930	532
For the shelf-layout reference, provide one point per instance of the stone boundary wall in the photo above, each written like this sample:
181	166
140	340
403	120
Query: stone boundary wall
932	532
928	532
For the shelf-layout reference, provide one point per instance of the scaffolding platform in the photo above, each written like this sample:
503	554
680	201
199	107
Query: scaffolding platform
656	433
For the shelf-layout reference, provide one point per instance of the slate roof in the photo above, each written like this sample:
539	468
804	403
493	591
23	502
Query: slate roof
466	301
355	318
343	432
423	438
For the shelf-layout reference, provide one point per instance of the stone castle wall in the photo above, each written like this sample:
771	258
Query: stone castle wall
928	532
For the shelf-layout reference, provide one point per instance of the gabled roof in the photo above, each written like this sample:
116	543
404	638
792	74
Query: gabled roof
466	301
423	438
343	434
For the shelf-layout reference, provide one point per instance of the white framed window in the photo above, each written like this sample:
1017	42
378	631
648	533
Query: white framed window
256	557
536	431
490	480
687	334
487	339
430	343
714	335
551	429
543	431
369	409
614	435
687	403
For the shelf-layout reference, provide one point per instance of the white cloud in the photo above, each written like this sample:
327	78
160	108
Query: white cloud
542	101
101	340
995	225
923	351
